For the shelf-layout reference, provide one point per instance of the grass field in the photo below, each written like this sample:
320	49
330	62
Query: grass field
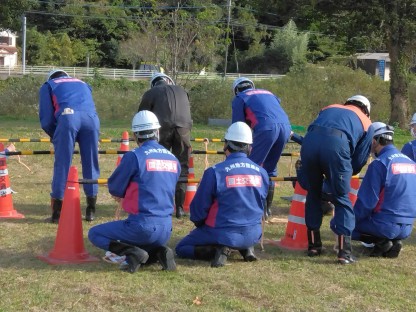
282	280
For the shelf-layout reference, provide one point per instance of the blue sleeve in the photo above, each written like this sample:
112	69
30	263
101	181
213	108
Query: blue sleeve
361	152
370	189
408	150
238	110
46	111
123	174
204	197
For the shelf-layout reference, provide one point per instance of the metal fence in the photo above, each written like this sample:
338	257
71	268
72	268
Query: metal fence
115	73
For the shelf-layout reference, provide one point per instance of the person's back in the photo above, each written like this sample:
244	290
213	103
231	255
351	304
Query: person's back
409	149
144	195
239	189
385	210
262	109
170	104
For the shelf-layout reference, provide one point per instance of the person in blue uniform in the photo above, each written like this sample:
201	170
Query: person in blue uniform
228	206
170	103
385	209
262	111
144	183
336	147
67	114
409	149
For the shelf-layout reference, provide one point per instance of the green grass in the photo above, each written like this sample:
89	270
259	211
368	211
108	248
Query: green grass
281	281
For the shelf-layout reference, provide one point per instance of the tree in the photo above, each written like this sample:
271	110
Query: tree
374	25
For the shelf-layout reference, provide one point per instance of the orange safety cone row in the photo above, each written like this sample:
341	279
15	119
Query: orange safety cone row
190	187
6	201
296	232
69	242
124	145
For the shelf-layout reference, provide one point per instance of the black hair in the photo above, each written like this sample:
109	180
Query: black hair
235	147
58	74
244	86
383	140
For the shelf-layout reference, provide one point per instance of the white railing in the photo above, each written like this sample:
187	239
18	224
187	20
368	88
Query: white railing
114	73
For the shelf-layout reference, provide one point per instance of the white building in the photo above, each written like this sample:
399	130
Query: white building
375	64
8	50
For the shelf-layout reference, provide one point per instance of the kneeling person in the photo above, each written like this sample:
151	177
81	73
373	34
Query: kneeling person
228	206
145	183
385	208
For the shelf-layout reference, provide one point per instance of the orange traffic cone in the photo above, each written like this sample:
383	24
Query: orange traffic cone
6	201
69	243
355	185
296	233
190	187
124	145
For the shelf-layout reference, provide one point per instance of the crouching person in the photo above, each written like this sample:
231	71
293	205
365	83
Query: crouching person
229	204
144	183
385	208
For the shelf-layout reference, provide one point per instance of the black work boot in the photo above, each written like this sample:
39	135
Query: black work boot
344	250
248	254
135	256
381	246
166	258
394	250
180	199
314	243
56	206
204	252
90	211
221	255
269	200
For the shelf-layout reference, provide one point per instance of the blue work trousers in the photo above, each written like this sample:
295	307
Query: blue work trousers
327	154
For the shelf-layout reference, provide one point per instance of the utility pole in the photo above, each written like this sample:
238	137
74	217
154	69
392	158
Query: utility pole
24	44
227	36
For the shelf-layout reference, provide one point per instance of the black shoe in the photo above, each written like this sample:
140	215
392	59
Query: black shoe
248	254
166	258
381	247
221	256
313	252
135	257
180	213
89	215
394	251
346	259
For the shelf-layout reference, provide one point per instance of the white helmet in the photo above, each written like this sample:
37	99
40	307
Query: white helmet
413	121
144	121
361	99
382	130
56	73
242	82
160	76
239	132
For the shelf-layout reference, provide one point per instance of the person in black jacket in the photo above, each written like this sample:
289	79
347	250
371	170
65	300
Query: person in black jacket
170	103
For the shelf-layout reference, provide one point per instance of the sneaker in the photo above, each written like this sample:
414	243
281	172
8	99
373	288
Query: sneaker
166	259
315	251
394	251
221	256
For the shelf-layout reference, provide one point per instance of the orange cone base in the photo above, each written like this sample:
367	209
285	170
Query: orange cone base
80	258
12	214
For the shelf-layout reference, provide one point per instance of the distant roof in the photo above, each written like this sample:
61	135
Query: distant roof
7	49
373	56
